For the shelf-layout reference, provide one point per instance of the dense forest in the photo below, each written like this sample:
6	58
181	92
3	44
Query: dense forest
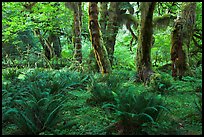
101	68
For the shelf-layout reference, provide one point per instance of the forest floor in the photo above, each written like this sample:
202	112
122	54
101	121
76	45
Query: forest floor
81	118
94	120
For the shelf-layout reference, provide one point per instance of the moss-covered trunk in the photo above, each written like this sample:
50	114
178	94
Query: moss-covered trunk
101	54
47	47
181	37
53	38
143	58
112	29
103	18
103	24
76	8
77	33
189	17
177	53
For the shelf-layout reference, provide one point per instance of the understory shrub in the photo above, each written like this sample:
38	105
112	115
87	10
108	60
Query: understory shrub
161	83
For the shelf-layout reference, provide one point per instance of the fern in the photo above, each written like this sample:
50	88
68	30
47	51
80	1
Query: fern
35	114
134	110
101	93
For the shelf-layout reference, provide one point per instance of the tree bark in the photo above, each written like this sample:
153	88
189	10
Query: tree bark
76	8
177	53
112	30
181	38
143	58
189	17
77	33
53	38
101	54
103	18
48	49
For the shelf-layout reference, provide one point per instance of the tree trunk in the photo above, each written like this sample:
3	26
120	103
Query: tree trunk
53	38
181	38
103	18
49	52
189	17
143	59
76	8
101	54
177	53
112	30
77	34
80	13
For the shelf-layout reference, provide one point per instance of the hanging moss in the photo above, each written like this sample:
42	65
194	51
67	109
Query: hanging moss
162	22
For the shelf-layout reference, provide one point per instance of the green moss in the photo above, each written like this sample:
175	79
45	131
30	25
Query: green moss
162	22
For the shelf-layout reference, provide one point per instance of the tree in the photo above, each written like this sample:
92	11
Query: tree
112	19
188	15
51	44
100	51
76	8
143	55
103	17
54	35
181	37
112	29
53	38
177	52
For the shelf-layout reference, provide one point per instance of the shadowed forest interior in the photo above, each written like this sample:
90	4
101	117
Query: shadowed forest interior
101	68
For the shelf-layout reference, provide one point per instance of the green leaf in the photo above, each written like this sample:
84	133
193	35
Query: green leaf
151	108
147	116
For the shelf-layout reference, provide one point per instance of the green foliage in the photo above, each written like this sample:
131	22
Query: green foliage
124	59
35	103
161	83
134	111
103	87
100	93
10	74
195	83
35	112
198	72
198	105
161	49
33	100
